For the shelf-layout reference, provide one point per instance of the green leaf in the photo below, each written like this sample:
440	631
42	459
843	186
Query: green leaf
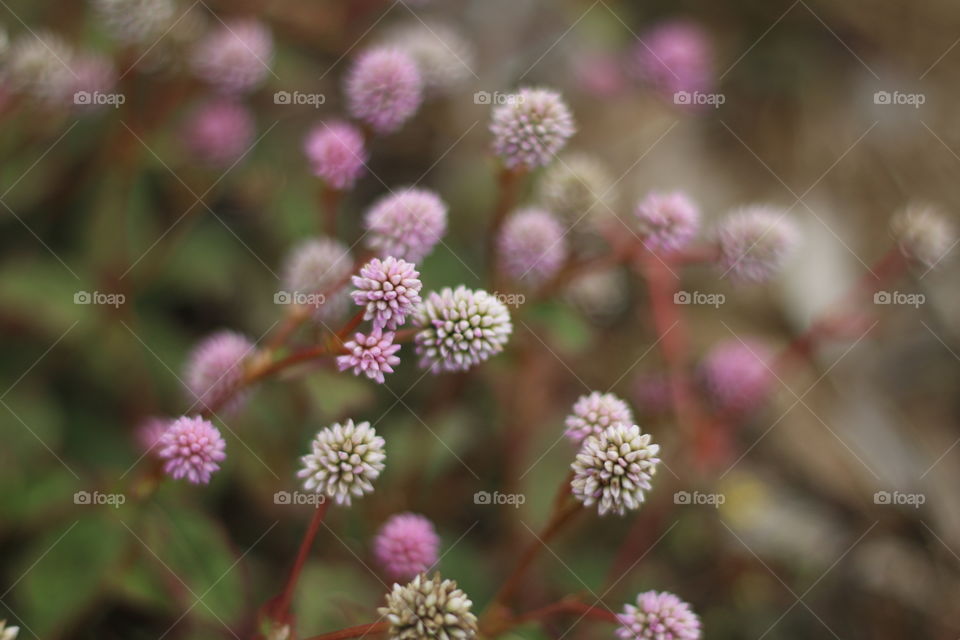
62	572
192	547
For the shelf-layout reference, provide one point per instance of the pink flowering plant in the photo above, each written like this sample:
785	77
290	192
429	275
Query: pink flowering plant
424	320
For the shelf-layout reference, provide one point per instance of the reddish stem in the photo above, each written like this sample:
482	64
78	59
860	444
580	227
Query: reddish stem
352	324
508	185
561	514
281	610
568	605
353	632
887	269
671	334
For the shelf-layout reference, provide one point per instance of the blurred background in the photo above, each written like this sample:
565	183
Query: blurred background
841	112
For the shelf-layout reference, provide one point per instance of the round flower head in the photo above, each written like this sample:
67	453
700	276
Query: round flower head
755	242
41	66
923	235
600	295
343	462
336	153
531	128
443	56
737	374
234	56
8	632
172	50
372	355
215	370
136	21
429	609
578	188
406	545
383	88
218	133
658	616
667	222
675	56
460	328
316	273
149	431
406	224
389	289
532	246
192	447
593	413
613	469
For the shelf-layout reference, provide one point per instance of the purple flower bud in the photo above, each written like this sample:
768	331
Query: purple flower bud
406	545
406	224
531	128
371	355
738	374
384	88
674	56
389	289
336	153
658	616
219	132
234	56
667	221
755	242
532	246
215	370
192	447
